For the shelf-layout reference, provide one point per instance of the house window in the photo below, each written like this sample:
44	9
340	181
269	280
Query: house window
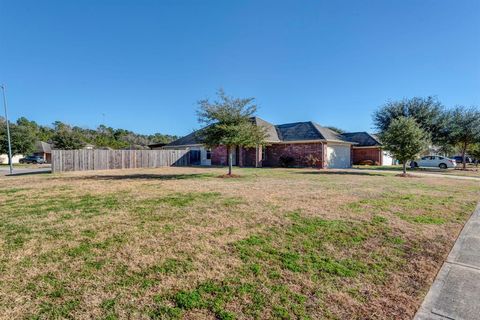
209	154
264	153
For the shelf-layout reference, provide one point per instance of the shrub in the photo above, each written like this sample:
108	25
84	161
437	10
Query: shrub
313	161
286	161
367	163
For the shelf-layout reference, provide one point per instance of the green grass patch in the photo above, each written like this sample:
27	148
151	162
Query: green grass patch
177	200
423	219
303	250
84	206
10	191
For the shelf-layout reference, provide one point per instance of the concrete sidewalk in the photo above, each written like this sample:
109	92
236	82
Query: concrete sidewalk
455	293
5	171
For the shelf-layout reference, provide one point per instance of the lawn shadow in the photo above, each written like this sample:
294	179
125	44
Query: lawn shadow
382	168
144	176
397	168
321	172
27	173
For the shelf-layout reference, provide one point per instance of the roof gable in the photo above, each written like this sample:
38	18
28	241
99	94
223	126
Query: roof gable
329	134
298	131
364	139
270	130
189	139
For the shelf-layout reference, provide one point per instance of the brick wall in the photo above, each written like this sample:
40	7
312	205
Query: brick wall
248	157
362	154
298	151
219	156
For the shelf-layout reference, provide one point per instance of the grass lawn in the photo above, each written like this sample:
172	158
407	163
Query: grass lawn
472	170
182	243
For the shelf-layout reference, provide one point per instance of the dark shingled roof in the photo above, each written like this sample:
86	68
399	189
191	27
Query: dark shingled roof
189	139
297	131
364	139
329	134
272	135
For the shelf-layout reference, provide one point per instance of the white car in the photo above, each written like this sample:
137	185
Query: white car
434	162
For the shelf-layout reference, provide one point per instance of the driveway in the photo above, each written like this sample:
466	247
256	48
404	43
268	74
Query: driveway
5	170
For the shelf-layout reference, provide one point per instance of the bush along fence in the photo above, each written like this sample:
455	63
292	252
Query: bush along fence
83	160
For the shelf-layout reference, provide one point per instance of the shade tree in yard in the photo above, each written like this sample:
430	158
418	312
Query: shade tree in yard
405	139
228	123
463	128
428	113
474	151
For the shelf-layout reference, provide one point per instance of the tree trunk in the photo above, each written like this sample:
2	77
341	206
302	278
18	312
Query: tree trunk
464	150
230	160
404	167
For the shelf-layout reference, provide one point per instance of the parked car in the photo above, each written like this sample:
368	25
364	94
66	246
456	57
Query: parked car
32	159
434	162
459	159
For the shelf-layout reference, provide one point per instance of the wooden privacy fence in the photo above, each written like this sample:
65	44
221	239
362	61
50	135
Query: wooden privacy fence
83	160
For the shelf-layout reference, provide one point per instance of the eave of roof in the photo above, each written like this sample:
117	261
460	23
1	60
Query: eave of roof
295	132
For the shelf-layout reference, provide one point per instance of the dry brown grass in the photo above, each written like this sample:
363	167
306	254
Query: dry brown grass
146	243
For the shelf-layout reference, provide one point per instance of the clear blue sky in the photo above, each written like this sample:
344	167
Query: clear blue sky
144	64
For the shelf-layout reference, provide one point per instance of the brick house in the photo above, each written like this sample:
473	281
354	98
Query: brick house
368	148
299	144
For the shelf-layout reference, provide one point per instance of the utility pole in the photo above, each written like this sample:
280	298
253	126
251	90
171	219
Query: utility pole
8	129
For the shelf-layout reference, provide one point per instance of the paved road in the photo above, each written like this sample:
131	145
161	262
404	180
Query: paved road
5	170
421	174
455	292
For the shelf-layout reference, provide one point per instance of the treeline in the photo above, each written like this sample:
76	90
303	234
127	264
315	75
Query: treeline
411	126
25	133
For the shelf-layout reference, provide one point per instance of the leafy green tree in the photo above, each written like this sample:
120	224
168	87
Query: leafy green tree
161	138
228	123
41	133
66	138
474	151
22	139
428	112
405	139
463	128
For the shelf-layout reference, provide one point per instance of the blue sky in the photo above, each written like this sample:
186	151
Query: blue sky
144	64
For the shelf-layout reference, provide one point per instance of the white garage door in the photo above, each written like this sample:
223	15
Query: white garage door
338	156
387	159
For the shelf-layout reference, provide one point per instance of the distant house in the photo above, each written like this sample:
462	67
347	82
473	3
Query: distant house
15	158
301	143
44	150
